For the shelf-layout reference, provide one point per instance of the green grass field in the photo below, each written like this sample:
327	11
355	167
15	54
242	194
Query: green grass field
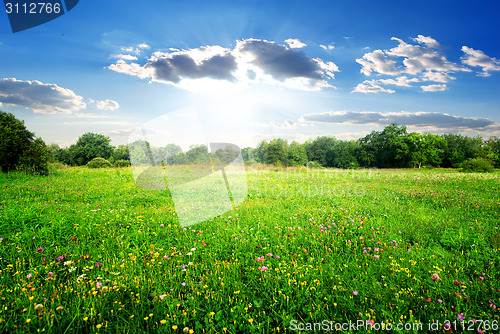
87	251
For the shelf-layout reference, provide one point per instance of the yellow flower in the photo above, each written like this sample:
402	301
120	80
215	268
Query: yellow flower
150	314
163	322
212	313
250	320
99	326
174	327
146	318
86	318
224	329
131	316
31	298
28	321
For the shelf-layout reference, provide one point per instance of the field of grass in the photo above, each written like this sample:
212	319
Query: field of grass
88	251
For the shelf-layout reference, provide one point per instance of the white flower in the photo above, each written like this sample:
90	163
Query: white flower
72	269
67	263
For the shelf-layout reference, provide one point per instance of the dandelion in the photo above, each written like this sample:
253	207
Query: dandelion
435	277
185	330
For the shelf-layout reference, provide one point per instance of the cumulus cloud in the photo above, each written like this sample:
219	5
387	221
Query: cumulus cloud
434	88
107	105
294	43
327	47
420	119
422	61
371	86
40	97
477	58
250	60
124	56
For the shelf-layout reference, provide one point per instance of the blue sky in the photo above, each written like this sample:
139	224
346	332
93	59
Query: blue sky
255	70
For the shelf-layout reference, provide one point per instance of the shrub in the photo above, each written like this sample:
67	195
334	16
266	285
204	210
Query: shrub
121	163
98	163
480	165
314	164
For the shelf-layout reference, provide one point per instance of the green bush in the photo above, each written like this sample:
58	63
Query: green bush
480	165
121	163
98	163
314	164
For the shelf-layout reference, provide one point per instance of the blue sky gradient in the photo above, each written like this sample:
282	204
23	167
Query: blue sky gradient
257	69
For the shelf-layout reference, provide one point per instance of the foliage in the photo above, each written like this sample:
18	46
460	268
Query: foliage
314	164
90	146
121	163
480	165
98	163
19	148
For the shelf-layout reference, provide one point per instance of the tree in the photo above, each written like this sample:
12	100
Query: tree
316	149
198	154
90	146
121	153
342	154
261	151
19	148
425	149
277	152
493	150
171	151
459	149
297	155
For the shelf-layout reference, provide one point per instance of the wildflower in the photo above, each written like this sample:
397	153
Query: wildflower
376	256
440	300
461	317
50	274
98	284
28	321
97	264
67	263
59	308
263	268
39	250
98	326
481	278
212	313
435	277
355	292
38	306
162	225
183	283
185	330
163	321
162	296
28	276
269	254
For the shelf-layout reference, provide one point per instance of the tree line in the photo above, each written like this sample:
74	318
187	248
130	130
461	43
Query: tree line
393	147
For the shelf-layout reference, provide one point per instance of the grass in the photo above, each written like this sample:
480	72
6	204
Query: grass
87	251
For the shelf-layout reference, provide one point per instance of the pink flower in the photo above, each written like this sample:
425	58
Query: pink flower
435	277
440	300
50	274
263	268
162	296
183	283
28	276
481	278
60	258
355	292
39	250
269	254
461	317
165	257
161	225
376	256
98	284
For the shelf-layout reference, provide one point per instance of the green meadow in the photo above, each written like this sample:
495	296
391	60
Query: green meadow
87	251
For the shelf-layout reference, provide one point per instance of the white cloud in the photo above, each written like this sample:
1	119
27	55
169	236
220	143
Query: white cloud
371	86
143	46
402	81
427	40
477	58
415	119
124	56
252	60
327	47
422	61
107	105
40	97
294	43
434	88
